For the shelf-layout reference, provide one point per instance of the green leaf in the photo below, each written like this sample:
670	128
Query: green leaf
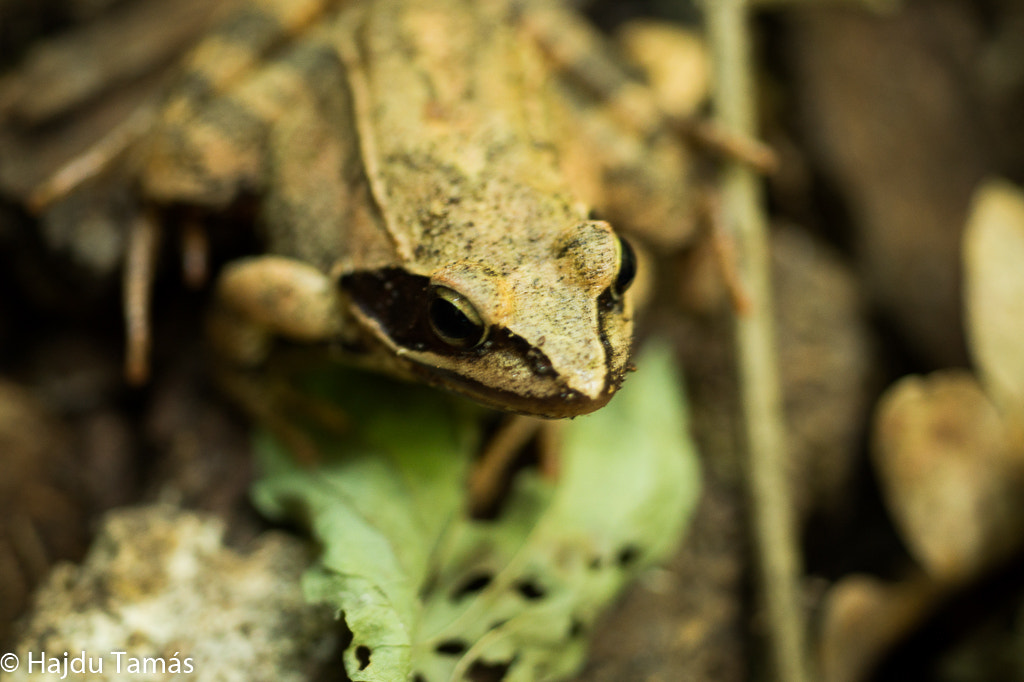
429	592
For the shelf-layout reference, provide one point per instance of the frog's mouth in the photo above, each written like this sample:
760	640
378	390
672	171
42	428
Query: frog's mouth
568	403
524	381
546	394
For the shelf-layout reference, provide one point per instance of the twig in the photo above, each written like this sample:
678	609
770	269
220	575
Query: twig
750	151
771	507
93	161
138	277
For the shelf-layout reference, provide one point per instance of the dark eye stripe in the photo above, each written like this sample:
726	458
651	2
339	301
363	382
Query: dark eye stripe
627	269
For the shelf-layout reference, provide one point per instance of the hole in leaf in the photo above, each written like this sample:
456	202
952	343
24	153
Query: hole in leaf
418	677
487	672
337	660
451	647
577	628
429	585
345	635
627	556
595	563
530	589
363	656
473	584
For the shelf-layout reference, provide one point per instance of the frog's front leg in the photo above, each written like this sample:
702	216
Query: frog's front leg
258	299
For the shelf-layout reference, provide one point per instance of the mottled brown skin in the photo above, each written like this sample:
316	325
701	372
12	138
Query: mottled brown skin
405	151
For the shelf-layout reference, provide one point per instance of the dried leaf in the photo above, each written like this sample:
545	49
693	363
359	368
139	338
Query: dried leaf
994	293
951	479
427	591
863	617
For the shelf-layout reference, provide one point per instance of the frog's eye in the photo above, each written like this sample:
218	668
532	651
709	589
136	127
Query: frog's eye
454	319
627	269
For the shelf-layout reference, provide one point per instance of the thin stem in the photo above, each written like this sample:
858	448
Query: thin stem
771	507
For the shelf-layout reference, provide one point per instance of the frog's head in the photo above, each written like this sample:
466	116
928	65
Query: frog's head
543	328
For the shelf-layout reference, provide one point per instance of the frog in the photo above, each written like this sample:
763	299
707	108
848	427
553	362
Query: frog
436	184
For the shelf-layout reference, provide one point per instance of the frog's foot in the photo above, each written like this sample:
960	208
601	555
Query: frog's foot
257	299
490	477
